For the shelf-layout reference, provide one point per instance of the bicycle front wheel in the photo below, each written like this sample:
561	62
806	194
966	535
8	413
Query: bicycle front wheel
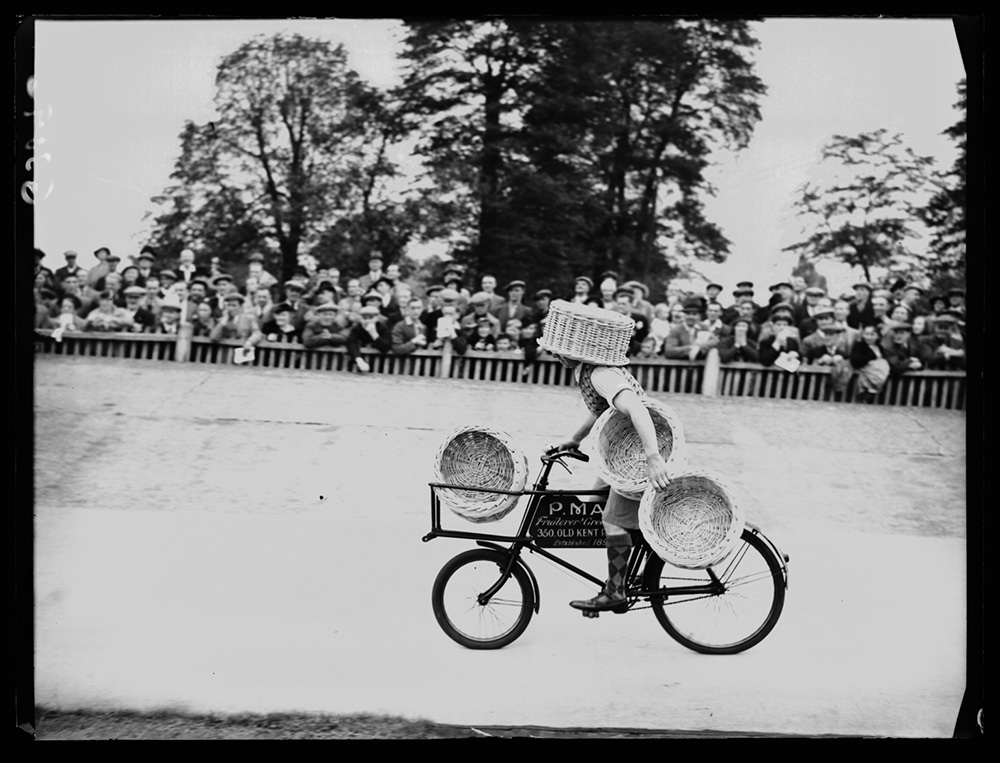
462	609
751	595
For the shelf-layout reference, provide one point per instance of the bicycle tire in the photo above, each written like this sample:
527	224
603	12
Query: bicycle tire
730	622
475	625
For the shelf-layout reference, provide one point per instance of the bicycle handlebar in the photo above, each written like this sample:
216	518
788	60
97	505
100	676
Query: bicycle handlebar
569	452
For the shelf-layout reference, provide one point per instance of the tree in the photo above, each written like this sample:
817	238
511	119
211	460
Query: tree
300	142
865	211
565	147
945	213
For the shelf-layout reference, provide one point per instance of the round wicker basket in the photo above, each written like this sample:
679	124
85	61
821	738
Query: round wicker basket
480	457
693	524
587	333
619	457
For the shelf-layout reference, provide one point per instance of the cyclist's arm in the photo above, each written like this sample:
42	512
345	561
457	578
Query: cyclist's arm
579	435
629	403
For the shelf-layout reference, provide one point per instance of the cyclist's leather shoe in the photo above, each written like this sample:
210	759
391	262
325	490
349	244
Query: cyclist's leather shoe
602	603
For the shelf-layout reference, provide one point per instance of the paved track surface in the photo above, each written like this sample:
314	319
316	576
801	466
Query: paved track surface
224	539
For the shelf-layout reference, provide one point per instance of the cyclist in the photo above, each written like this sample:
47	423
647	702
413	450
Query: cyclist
598	359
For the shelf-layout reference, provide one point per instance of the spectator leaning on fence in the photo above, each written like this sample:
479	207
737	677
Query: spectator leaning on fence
736	345
480	337
479	308
169	320
108	316
370	332
944	349
903	352
783	338
143	320
870	364
409	334
204	320
280	326
234	324
325	330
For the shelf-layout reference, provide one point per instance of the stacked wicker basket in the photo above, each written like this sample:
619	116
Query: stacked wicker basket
694	523
484	458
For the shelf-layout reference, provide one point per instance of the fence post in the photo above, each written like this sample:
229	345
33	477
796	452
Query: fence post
182	352
445	371
710	378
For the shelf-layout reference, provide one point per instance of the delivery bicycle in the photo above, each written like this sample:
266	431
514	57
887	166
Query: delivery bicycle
484	598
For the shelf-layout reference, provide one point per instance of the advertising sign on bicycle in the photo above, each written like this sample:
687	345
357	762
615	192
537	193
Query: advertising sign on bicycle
568	520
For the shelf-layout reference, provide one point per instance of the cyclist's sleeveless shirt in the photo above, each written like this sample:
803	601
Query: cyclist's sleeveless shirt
599	401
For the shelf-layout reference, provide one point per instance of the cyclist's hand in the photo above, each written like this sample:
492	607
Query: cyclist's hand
656	472
552	447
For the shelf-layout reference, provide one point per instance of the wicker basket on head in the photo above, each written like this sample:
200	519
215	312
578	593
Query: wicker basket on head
587	333
619	457
693	524
480	457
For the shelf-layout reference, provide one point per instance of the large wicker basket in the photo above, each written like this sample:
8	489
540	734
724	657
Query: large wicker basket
693	524
480	457
587	333
619	456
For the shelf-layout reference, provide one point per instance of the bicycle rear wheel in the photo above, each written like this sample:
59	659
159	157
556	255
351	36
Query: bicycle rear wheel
467	618
751	597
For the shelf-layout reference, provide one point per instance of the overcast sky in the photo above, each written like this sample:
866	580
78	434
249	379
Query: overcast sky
112	97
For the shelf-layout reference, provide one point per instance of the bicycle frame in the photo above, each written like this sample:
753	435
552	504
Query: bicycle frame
524	540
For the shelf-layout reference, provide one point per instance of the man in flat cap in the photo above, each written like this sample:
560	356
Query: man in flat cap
807	310
742	294
327	329
901	349
944	349
70	268
514	306
683	341
143	320
479	306
235	324
640	299
294	291
861	312
370	332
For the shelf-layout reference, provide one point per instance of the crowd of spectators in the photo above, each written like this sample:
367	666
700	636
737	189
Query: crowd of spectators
873	331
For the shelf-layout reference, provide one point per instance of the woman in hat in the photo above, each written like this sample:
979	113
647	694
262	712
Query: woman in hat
868	360
783	338
600	374
738	345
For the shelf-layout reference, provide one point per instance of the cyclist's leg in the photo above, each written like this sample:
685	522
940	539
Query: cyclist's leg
620	516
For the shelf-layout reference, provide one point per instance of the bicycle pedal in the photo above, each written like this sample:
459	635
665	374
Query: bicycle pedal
591	613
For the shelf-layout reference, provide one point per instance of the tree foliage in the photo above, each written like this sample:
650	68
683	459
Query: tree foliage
564	147
866	210
945	213
300	142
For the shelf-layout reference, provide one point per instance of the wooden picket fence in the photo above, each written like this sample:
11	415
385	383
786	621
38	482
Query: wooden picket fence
929	389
